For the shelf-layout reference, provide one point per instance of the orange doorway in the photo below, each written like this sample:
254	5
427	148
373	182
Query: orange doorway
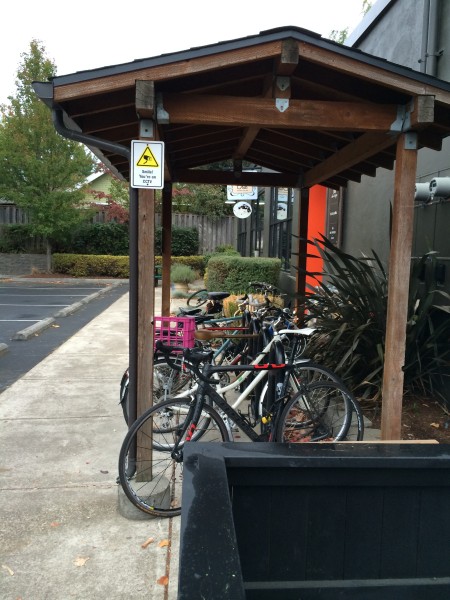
316	228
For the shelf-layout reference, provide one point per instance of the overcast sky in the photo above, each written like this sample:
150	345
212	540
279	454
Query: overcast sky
88	34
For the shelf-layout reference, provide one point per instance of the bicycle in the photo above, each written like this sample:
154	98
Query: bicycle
214	300
151	456
304	370
237	346
168	380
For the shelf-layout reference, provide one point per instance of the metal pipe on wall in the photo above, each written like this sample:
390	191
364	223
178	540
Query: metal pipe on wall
430	35
432	49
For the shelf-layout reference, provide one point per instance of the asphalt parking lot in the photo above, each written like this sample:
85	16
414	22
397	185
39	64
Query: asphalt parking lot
27	303
36	316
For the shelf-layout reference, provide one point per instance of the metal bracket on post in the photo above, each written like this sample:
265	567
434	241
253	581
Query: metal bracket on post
283	83
146	128
237	168
162	115
403	120
411	140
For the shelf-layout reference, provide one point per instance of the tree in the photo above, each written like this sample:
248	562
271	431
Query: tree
40	171
205	199
341	36
117	198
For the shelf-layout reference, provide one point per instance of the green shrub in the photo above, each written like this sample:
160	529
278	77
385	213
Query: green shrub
85	265
226	249
19	239
233	273
90	265
180	273
195	262
185	241
97	238
349	309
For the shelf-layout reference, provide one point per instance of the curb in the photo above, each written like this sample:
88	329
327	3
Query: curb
35	329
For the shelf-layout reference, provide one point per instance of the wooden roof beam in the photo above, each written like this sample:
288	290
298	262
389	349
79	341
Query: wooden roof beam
301	114
366	71
418	115
363	148
229	178
163	71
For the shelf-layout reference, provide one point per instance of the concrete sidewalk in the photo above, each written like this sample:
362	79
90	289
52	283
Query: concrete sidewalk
61	535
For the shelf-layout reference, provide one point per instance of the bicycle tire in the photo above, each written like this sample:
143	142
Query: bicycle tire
166	382
315	372
320	412
311	372
140	459
198	298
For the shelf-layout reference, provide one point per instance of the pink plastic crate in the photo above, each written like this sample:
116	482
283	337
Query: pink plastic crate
175	331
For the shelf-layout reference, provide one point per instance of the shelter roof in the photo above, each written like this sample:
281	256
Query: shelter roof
305	109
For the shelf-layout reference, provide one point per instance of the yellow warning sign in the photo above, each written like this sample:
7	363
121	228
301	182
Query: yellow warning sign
147	159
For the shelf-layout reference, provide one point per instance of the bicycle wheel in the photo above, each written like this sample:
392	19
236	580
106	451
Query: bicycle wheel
166	382
198	298
308	372
311	372
320	412
150	476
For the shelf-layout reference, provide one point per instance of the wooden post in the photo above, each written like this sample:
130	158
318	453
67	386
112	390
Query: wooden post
133	306
146	299
303	216
166	211
145	109
398	286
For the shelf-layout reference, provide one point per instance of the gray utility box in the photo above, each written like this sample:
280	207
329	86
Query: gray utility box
315	521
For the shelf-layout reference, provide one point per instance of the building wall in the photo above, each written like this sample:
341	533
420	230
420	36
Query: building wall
398	34
100	184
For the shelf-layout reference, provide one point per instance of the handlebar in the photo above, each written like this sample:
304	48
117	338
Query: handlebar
268	287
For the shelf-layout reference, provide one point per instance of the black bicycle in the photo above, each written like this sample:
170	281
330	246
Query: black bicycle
151	456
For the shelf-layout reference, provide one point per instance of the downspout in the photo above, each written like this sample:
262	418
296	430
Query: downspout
89	140
432	50
429	52
424	44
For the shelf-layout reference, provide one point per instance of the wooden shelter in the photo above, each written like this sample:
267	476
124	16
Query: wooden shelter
307	109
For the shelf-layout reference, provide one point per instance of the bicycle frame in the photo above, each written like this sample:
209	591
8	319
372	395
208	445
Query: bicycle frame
246	370
205	389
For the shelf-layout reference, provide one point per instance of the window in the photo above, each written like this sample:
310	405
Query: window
281	204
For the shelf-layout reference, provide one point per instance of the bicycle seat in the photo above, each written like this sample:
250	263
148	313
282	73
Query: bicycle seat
218	295
189	312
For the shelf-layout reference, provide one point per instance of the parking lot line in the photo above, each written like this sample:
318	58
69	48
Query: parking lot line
19	320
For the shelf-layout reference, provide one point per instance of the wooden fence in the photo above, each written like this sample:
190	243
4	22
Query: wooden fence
212	233
10	214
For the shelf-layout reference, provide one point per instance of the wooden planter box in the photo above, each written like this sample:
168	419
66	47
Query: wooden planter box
315	521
